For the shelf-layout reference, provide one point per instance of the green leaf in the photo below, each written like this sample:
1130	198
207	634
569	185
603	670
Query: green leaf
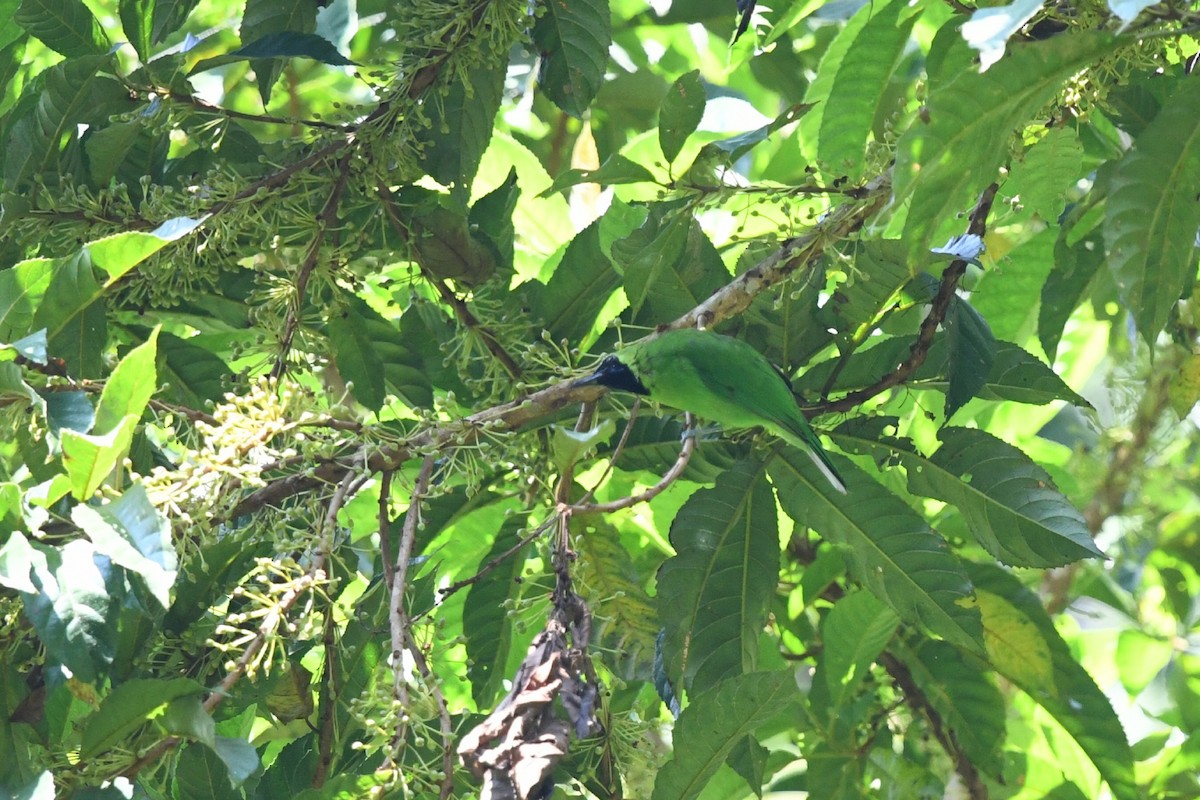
200	774
66	26
354	352
89	460
972	353
573	40
1047	171
264	17
52	109
447	248
730	150
712	726
616	170
971	120
129	388
1009	502
853	634
72	610
1151	216
654	444
22	288
714	593
121	252
669	265
581	285
1068	283
137	20
279	45
1015	374
69	411
891	550
128	707
132	533
964	696
239	757
1024	646
625	618
569	446
486	624
858	87
32	347
1007	296
168	16
491	218
13	385
454	143
880	271
193	374
680	113
749	760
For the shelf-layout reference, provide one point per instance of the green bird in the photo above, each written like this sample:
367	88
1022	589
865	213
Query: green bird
715	377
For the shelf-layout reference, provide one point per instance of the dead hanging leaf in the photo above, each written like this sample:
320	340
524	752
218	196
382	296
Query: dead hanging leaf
517	747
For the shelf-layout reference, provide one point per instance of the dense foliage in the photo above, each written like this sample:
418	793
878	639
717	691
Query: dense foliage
297	498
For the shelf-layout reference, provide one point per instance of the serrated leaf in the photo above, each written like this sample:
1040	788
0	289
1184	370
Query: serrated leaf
713	594
1024	646
668	264
282	44
1047	171
880	271
454	143
66	26
1008	296
891	550
716	721
1068	283
132	533
265	17
194	374
624	619
853	634
1009	502
52	109
486	624
581	284
1151	216
1015	374
447	248
749	760
89	460
72	609
137	21
354	352
129	388
971	119
616	170
130	705
491	217
654	443
972	352
680	113
573	40
964	696
729	150
858	88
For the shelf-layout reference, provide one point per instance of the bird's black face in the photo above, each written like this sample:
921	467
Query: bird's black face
615	375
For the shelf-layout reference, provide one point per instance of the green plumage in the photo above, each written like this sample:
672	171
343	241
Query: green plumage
717	378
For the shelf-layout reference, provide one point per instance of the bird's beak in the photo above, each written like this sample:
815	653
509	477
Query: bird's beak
615	375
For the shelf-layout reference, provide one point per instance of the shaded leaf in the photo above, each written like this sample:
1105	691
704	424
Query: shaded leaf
486	623
680	113
891	550
1025	648
1009	502
972	352
853	634
66	26
714	723
971	119
573	40
616	170
713	594
129	706
454	143
1152	216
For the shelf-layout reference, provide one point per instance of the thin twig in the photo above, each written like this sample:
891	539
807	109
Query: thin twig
937	313
669	477
350	483
397	613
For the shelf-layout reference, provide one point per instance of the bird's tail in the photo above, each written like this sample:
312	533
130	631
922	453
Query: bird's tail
821	459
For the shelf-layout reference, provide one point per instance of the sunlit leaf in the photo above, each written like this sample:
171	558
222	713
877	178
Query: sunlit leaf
573	40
